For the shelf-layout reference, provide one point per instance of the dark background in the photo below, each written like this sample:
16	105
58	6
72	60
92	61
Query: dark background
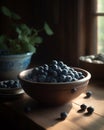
67	18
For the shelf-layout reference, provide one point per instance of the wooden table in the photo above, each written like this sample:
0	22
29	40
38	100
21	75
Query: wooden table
48	118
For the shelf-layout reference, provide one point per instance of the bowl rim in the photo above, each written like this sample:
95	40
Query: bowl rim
87	77
16	55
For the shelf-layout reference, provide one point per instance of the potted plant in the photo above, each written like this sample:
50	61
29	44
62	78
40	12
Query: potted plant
17	47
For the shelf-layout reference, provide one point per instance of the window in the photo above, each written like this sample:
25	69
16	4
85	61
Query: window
100	26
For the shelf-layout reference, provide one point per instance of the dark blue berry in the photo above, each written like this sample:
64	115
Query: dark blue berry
83	107
41	78
10	84
72	74
90	110
54	67
60	63
53	80
88	94
68	78
63	115
54	62
64	71
46	67
74	79
56	71
27	109
62	78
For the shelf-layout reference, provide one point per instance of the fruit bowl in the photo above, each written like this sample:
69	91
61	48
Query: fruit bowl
55	83
94	64
10	89
53	93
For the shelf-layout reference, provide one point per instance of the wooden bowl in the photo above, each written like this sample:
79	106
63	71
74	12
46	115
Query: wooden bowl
96	69
54	93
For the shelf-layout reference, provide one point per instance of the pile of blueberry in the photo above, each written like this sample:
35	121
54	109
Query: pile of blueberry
55	72
10	84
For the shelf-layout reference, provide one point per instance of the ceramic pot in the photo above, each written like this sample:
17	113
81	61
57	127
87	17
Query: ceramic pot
11	65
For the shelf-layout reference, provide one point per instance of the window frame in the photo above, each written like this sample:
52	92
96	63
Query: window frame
96	15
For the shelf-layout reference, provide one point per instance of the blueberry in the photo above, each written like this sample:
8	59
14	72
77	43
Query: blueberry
5	86
74	79
15	85
59	70
48	79
54	62
10	84
41	71
53	80
41	78
62	78
63	115
1	85
34	78
68	78
41	68
54	67
46	67
81	76
88	94
64	71
83	107
56	71
72	74
35	71
27	109
90	110
80	73
60	63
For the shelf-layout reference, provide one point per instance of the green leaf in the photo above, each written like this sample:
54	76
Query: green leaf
25	30
47	29
10	13
6	11
18	30
37	39
31	48
28	47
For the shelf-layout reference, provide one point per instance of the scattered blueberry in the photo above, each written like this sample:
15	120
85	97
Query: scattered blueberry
88	94
27	109
90	110
63	115
83	107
